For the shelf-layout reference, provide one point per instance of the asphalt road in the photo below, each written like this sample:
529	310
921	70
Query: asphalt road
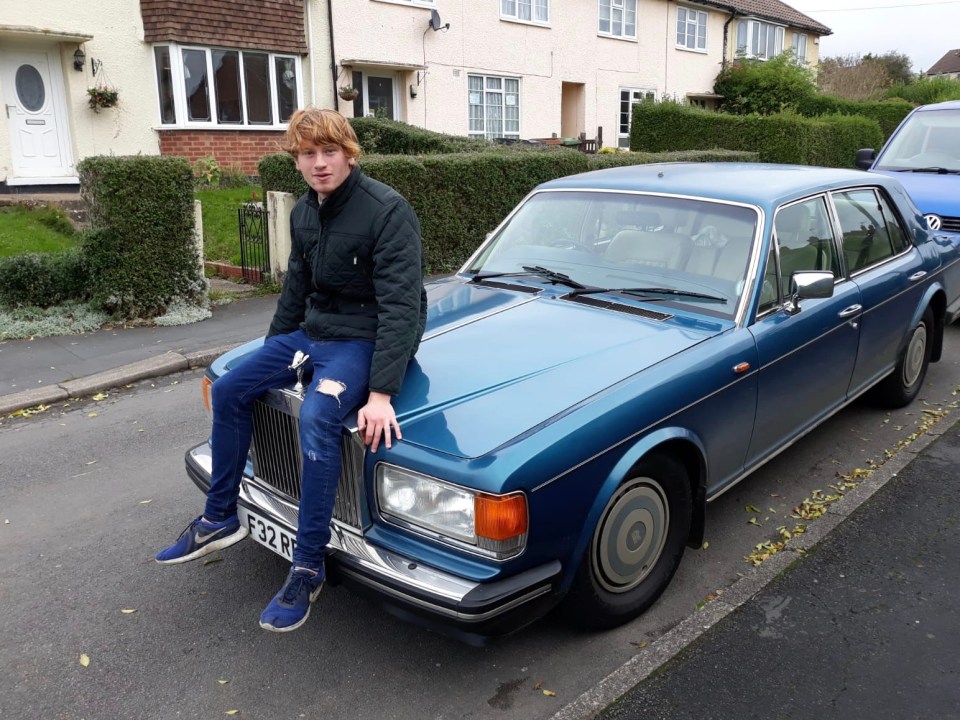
91	491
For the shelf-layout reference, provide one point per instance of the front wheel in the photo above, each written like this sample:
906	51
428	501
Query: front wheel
902	385
636	546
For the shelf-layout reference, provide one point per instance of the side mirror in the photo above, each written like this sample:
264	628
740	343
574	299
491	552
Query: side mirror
808	285
865	158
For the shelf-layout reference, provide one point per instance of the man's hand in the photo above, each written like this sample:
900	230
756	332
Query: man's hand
377	417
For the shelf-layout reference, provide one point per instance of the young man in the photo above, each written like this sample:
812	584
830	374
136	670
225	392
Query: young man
353	300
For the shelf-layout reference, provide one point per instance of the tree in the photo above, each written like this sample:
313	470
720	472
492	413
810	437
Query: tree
897	65
750	85
852	78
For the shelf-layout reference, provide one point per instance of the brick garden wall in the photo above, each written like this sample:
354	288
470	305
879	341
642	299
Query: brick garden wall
240	149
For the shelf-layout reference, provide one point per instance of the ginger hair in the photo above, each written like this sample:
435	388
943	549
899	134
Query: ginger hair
320	126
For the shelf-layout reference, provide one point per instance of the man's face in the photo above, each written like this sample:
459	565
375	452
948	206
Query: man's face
324	167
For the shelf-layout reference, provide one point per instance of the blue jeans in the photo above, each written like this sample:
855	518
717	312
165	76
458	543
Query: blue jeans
343	366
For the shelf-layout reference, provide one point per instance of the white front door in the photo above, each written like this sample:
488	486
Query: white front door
33	97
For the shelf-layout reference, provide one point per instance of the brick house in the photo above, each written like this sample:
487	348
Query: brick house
221	77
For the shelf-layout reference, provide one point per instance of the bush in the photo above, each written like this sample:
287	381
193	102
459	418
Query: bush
889	114
141	251
749	85
390	137
926	91
783	138
42	280
459	198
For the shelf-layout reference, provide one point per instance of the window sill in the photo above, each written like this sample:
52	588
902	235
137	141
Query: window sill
532	23
210	127
411	3
621	38
698	51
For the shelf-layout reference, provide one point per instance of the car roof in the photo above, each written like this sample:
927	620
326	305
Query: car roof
766	185
948	105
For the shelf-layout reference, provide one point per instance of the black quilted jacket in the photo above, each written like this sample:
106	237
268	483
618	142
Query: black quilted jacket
356	272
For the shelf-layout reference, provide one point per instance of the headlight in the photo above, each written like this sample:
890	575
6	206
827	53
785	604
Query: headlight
494	524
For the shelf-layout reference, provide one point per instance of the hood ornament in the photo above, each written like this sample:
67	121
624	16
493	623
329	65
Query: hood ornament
299	360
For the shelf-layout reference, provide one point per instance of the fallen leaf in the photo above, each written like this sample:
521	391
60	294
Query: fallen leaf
99	396
84	659
538	685
223	682
705	545
128	611
754	521
549	693
752	509
232	712
91	414
92	462
7	521
140	430
146	502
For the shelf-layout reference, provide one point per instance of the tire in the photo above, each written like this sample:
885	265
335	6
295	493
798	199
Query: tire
635	548
901	386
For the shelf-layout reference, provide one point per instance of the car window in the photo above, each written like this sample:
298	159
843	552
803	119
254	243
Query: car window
928	139
805	240
871	229
769	296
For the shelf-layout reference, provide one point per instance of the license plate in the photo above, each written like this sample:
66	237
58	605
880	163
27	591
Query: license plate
268	533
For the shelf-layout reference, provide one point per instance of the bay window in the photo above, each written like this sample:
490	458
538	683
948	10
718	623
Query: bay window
759	39
222	87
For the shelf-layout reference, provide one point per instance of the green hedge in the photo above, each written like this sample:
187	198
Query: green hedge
459	198
391	137
831	141
888	113
141	251
42	280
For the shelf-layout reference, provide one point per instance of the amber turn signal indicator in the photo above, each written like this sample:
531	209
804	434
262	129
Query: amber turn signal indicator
500	518
206	387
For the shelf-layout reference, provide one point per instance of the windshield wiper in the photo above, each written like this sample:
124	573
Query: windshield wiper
933	170
645	291
551	275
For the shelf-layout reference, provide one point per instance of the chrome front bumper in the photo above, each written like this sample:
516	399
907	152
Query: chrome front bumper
470	610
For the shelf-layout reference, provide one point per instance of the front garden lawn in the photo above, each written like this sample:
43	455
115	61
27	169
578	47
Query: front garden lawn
221	228
28	230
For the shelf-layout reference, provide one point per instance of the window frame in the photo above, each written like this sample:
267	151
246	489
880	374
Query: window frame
515	16
883	201
623	6
750	24
799	39
182	121
646	94
696	22
503	92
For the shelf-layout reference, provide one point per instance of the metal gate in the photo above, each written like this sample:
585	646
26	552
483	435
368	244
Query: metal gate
254	248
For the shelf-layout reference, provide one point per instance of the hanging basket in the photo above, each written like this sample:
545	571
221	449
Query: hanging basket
348	93
102	97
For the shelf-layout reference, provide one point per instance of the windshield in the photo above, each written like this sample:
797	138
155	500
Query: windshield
928	140
627	241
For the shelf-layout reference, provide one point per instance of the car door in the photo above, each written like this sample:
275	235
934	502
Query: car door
889	271
806	354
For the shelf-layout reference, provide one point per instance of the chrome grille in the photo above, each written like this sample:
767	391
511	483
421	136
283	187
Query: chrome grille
951	224
278	459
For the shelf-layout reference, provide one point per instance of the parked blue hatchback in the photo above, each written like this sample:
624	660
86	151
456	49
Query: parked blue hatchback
924	153
626	346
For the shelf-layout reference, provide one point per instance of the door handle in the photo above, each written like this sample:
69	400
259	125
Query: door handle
917	276
852	310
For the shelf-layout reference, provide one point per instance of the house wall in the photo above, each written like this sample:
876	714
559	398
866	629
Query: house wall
568	51
126	63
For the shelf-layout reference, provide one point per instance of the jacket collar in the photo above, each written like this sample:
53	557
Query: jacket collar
339	196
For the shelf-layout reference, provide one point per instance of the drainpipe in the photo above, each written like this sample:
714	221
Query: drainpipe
726	35
333	56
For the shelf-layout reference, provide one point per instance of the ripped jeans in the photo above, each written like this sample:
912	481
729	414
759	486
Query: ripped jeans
341	373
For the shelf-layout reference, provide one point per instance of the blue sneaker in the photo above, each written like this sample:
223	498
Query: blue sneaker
202	538
290	607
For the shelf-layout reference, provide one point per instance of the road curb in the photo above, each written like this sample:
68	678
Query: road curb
169	362
593	701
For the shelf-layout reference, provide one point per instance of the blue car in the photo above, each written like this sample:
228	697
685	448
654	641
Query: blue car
924	153
625	347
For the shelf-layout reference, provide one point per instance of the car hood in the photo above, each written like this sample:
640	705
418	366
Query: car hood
495	363
932	193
